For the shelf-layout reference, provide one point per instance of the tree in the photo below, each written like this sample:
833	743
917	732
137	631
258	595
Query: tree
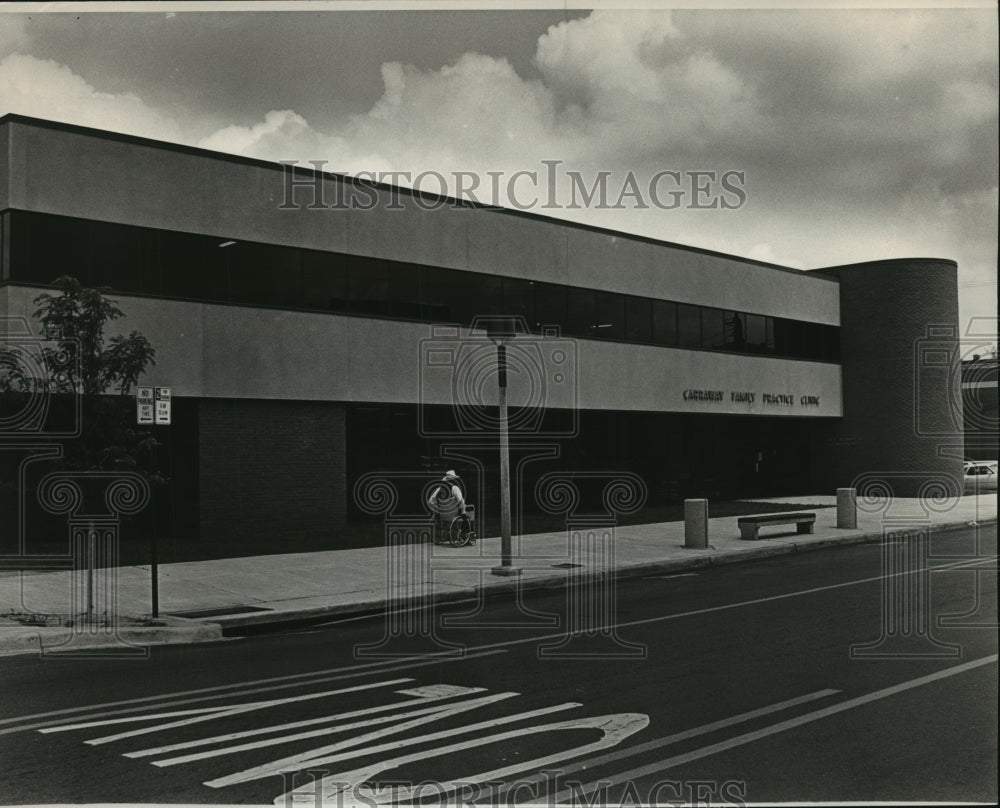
79	361
76	319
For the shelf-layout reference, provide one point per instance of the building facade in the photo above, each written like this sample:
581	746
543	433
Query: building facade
315	328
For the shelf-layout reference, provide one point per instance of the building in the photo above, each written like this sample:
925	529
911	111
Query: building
302	322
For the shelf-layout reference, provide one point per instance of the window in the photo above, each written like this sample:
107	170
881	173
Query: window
610	315
550	305
193	266
779	336
796	340
37	248
262	274
456	296
688	325
582	313
733	331
368	285
664	322
756	333
324	280
831	343
122	257
43	248
4	246
638	319
519	299
405	293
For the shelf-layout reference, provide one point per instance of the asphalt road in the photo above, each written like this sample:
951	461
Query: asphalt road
858	673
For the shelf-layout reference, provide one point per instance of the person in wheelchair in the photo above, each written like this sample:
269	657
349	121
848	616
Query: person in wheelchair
454	517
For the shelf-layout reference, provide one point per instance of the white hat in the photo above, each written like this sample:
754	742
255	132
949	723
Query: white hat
450	474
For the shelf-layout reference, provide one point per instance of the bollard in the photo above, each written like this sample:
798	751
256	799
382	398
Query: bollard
847	508
696	524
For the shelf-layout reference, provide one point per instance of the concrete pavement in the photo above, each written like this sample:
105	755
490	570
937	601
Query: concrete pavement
200	599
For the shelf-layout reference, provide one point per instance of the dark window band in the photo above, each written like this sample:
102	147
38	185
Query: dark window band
37	248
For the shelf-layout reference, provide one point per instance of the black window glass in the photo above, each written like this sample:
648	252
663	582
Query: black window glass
43	248
405	290
665	322
193	266
688	325
489	295
831	343
734	330
368	285
121	257
456	296
324	280
38	248
610	315
812	340
756	333
782	336
582	312
638	319
550	305
263	274
713	328
518	299
795	339
4	246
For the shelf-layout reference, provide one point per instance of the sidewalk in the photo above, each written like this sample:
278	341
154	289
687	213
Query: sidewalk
200	599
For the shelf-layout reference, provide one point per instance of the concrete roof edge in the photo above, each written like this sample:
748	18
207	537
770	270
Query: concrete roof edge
13	117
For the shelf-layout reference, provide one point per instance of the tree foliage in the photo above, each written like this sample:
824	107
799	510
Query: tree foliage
76	359
75	321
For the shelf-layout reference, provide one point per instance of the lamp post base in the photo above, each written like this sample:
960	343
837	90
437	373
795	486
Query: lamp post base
507	572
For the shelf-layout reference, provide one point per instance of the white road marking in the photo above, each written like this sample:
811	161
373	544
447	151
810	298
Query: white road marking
728	606
615	728
791	723
231	710
694	732
433	714
203	710
234	736
424	662
320	756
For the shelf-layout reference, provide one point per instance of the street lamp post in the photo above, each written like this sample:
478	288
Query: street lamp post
502	331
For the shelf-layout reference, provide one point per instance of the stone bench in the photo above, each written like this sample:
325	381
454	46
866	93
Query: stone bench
749	525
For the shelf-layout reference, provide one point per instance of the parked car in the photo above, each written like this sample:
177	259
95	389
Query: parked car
980	475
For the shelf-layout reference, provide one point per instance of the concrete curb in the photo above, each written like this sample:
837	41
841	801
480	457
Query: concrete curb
60	639
54	640
237	625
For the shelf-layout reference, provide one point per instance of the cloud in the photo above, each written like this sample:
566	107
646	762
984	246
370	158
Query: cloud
862	134
46	89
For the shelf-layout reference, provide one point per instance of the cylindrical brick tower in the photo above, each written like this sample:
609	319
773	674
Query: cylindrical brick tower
900	356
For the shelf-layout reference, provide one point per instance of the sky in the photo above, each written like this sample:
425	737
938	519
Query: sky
806	137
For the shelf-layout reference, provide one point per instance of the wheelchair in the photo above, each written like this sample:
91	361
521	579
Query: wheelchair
462	529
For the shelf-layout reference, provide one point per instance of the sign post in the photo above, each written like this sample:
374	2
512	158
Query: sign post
153	407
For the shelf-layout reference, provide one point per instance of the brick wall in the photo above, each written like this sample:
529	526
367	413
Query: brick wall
272	474
900	353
